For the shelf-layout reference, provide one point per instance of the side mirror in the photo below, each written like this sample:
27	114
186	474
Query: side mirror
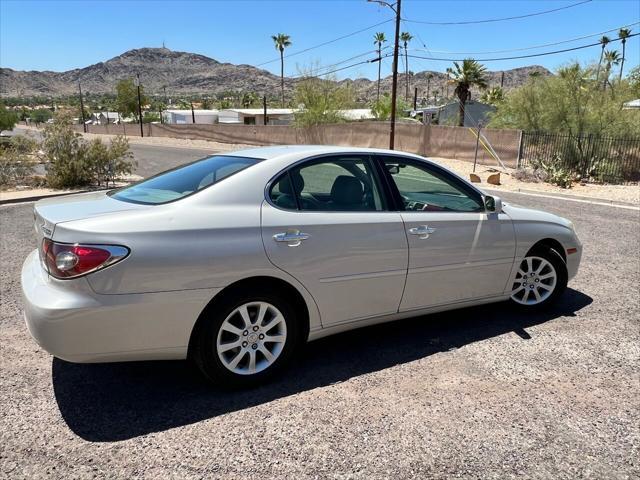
493	204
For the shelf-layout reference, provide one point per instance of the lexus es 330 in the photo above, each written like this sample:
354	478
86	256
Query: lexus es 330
236	260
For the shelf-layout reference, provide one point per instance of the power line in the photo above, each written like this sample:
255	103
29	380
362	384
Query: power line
520	56
328	42
490	20
431	52
306	77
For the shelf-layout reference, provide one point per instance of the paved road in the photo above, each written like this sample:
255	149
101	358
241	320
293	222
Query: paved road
480	393
151	159
154	159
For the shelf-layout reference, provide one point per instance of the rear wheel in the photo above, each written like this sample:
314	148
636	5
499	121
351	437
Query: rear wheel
246	339
541	278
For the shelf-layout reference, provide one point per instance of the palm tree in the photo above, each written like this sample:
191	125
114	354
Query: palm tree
623	34
281	41
604	40
493	96
611	57
449	72
405	38
379	39
429	77
466	75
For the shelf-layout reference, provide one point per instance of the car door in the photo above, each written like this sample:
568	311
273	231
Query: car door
457	250
327	224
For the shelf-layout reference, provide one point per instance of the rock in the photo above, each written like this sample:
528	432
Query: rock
494	179
474	178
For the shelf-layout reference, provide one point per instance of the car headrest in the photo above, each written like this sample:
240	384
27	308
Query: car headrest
347	190
284	185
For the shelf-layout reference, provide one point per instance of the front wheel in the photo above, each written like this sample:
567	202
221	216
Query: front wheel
541	278
246	340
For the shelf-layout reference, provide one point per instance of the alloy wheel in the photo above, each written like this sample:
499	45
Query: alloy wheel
251	338
535	281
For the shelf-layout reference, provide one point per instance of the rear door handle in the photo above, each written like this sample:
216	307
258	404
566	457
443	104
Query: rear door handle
293	238
424	231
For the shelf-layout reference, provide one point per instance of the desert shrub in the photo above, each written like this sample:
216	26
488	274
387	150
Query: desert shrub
17	161
553	171
108	162
529	175
76	163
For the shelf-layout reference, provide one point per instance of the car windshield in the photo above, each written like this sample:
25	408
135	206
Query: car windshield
182	181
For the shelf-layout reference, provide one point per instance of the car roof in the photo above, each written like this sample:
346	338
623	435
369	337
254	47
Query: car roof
301	151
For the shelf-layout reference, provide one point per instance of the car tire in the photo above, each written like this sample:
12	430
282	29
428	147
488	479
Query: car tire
540	280
263	329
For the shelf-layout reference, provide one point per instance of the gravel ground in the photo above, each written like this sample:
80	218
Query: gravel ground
479	393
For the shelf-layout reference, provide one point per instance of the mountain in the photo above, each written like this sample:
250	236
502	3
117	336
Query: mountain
190	73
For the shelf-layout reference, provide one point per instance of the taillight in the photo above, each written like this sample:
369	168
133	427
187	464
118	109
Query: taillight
65	260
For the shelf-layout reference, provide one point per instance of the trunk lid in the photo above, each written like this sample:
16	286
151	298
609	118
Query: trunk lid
51	211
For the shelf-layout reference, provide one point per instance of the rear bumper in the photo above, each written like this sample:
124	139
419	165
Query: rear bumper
72	322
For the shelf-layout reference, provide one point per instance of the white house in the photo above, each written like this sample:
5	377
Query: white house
355	114
448	114
103	118
255	116
186	116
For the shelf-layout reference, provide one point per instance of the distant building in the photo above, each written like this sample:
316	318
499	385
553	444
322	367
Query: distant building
632	105
355	114
104	118
186	116
255	116
474	112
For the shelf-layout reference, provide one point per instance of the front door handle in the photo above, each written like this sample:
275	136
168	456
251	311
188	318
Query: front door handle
292	237
424	231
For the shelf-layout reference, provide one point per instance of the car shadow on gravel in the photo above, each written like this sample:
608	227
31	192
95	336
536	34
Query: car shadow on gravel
118	401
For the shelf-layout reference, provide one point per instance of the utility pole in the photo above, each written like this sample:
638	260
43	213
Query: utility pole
264	109
502	80
84	125
394	86
137	82
193	114
415	98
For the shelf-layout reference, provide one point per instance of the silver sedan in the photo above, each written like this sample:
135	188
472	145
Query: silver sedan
236	260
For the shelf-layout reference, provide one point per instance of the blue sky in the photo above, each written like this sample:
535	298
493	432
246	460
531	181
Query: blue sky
57	35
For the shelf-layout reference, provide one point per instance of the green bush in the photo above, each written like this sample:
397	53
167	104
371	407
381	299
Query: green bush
108	162
76	163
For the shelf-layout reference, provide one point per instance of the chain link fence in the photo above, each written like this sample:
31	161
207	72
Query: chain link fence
597	159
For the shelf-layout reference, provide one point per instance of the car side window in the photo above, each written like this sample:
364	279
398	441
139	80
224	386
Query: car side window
345	184
428	189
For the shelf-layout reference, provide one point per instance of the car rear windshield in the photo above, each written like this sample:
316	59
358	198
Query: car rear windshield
182	181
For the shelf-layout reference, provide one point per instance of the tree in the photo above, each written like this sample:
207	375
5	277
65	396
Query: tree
322	100
41	115
623	34
466	75
249	100
604	40
281	41
8	118
127	98
379	39
405	38
611	58
429	77
381	109
449	72
569	103
492	96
